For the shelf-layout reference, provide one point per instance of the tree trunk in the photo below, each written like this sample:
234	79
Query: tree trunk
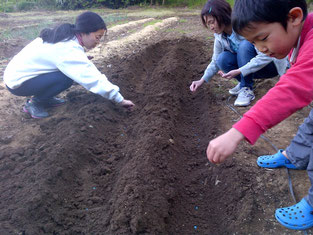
4	5
163	3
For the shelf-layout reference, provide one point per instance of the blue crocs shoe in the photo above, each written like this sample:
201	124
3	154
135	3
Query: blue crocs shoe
275	161
298	216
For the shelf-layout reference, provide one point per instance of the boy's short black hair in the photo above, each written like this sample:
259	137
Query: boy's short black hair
267	11
219	9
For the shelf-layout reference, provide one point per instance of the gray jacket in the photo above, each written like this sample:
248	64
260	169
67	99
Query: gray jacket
258	62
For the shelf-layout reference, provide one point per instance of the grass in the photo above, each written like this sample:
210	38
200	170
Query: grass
234	81
218	89
231	2
12	6
151	12
132	31
151	22
27	33
51	18
32	29
115	19
119	23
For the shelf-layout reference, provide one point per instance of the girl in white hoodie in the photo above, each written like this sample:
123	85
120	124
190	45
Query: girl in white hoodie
49	65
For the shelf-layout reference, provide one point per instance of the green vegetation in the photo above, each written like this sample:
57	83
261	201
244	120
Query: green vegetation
149	12
27	33
32	30
118	23
27	5
231	2
151	22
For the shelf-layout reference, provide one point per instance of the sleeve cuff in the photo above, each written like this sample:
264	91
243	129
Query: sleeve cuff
206	78
118	98
244	71
249	129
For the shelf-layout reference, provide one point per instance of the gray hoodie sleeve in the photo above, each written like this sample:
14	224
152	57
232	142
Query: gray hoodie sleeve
212	68
256	63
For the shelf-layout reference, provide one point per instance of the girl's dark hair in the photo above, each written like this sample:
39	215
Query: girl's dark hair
264	11
219	9
86	22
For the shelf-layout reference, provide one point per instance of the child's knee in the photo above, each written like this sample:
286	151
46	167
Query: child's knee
246	46
224	63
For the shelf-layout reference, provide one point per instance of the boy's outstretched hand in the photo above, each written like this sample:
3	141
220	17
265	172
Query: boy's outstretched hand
127	104
223	146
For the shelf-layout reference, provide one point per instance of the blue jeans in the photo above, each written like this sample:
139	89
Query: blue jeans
300	151
228	61
44	86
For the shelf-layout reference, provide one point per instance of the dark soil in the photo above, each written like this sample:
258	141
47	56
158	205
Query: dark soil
94	168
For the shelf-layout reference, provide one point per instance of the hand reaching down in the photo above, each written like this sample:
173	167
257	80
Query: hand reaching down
127	104
196	84
223	146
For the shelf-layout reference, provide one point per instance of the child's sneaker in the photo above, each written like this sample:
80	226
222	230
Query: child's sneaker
35	109
52	102
245	97
235	90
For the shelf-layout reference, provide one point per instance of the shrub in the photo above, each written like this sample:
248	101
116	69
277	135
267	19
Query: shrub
25	6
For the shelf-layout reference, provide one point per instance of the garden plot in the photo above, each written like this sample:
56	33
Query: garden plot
99	169
94	168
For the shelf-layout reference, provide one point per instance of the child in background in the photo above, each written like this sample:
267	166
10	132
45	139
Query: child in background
235	56
290	29
49	64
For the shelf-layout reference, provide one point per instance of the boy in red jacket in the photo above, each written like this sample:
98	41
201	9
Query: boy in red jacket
287	31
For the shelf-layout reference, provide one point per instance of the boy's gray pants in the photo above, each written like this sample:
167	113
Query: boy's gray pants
300	151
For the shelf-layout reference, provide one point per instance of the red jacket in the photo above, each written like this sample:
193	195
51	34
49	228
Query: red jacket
293	92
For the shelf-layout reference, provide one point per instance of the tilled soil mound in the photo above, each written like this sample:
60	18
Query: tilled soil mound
98	169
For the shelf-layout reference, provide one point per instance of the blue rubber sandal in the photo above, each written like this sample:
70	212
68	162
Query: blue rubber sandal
298	216
275	161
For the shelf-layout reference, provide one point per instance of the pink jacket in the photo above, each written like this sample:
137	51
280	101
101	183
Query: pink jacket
293	92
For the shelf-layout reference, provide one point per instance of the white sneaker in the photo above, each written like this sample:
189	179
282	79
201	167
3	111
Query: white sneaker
245	97
235	90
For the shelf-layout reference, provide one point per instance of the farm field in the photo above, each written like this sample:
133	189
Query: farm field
94	168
